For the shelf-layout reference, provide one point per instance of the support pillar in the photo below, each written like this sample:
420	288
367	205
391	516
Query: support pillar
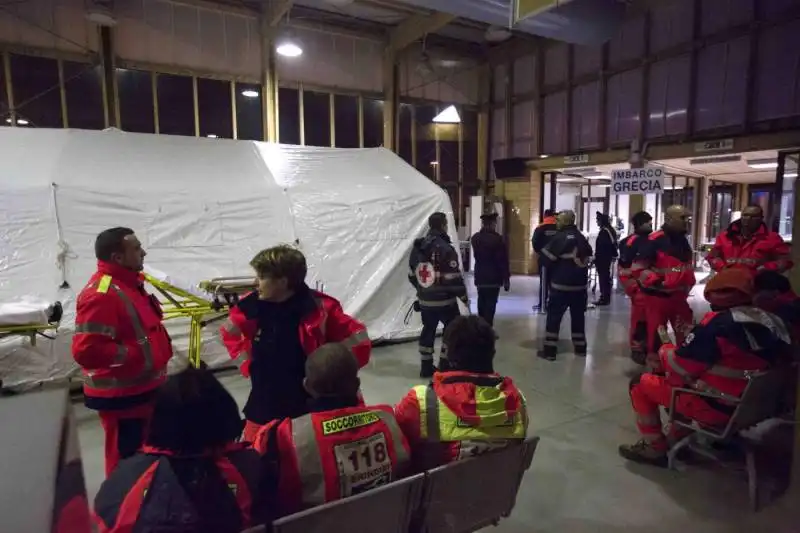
110	105
702	209
637	204
522	199
269	78
390	97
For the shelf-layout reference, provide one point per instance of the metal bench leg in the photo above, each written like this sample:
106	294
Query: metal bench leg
673	452
752	476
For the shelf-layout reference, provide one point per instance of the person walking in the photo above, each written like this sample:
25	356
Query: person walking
491	266
120	343
567	256
541	236
604	256
434	273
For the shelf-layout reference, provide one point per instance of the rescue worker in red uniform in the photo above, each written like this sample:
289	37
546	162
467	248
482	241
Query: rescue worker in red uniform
749	244
475	410
731	340
664	270
271	331
191	475
628	250
774	294
340	448
120	343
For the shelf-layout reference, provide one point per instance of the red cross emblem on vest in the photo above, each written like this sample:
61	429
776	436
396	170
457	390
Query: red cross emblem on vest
425	274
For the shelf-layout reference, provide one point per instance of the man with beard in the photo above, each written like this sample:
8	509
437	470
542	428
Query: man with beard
664	271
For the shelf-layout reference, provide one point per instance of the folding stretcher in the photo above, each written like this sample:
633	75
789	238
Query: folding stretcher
29	319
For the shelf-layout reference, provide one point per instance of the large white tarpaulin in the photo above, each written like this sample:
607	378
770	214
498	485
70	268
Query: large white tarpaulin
203	208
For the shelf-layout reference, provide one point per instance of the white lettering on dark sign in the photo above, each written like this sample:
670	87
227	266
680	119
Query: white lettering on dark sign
648	180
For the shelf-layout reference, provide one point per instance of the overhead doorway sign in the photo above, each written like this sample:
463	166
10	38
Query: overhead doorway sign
647	180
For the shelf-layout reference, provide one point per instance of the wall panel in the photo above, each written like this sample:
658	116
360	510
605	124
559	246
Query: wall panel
722	84
778	72
498	134
555	120
187	36
668	97
524	74
623	107
628	44
499	76
523	114
555	64
585	119
47	24
671	24
718	15
333	60
586	60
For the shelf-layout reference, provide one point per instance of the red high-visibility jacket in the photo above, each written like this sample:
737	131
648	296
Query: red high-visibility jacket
120	342
460	415
327	323
726	345
764	250
664	264
217	491
628	250
328	455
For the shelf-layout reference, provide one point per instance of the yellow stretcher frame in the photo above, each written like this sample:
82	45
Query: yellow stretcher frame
27	330
178	303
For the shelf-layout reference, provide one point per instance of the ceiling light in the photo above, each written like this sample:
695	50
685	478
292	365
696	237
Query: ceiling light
250	93
762	164
20	122
211	136
790	174
448	116
289	49
434	163
543	156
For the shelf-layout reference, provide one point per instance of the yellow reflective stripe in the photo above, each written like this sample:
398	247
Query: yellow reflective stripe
138	329
397	435
673	364
104	284
230	327
727	372
648	420
309	461
419	392
115	383
241	358
355	339
550	255
96	328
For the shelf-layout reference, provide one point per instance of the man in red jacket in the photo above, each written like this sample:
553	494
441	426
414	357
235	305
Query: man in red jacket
664	270
731	340
340	448
749	244
120	343
474	410
628	250
271	331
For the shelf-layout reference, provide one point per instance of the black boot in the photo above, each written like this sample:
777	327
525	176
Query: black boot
427	369
548	353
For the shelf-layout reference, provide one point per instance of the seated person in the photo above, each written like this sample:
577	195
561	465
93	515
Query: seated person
340	448
477	410
774	294
270	332
191	475
734	338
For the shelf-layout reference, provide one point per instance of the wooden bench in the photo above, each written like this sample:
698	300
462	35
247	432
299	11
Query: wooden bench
759	402
459	497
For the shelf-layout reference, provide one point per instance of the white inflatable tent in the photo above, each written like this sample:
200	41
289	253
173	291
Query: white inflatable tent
203	208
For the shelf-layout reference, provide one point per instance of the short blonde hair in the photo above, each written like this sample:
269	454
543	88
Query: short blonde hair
282	261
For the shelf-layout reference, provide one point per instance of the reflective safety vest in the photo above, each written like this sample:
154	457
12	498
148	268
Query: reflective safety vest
765	250
329	455
120	341
439	424
665	266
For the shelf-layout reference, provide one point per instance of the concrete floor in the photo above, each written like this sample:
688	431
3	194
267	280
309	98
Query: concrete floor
580	409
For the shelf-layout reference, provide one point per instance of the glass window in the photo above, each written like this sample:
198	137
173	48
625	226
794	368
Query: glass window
83	84
373	123
469	136
135	88
345	112
720	208
289	115
405	122
175	104
37	99
249	122
426	140
214	108
316	118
